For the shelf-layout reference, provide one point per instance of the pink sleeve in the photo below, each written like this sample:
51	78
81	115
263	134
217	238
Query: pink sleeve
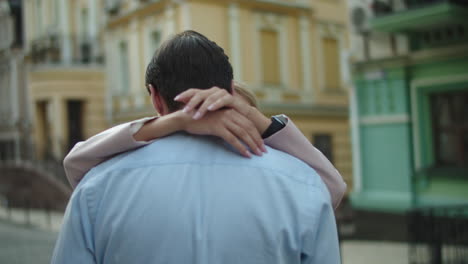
292	141
87	154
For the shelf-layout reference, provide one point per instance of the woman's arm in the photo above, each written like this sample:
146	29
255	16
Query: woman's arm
87	154
291	140
226	124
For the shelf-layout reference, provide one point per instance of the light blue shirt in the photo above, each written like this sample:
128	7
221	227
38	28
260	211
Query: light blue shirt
191	199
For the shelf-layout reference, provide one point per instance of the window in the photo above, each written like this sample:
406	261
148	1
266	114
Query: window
44	128
75	122
323	142
5	95
269	42
124	68
331	51
449	113
7	150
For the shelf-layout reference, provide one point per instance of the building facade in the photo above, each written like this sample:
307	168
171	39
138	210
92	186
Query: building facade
291	54
14	110
66	74
409	103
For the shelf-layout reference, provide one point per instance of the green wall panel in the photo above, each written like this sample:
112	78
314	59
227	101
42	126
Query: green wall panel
386	161
399	96
385	96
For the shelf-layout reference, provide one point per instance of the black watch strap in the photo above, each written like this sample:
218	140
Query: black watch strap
278	122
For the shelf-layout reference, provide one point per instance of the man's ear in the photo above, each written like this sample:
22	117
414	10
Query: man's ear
156	100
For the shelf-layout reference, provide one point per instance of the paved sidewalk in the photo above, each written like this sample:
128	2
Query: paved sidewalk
374	252
20	244
39	219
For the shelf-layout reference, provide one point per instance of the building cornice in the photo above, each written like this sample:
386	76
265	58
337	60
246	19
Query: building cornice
157	5
414	58
292	4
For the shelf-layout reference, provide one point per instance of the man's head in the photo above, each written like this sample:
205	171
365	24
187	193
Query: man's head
187	60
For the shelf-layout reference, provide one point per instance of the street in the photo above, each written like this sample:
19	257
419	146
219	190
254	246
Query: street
20	244
24	244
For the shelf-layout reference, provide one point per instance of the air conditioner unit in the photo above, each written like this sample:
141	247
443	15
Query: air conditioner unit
361	13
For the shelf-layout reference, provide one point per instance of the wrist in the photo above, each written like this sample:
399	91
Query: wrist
178	121
260	121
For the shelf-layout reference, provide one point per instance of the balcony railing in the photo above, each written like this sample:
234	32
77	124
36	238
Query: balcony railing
387	7
439	235
403	16
410	4
60	49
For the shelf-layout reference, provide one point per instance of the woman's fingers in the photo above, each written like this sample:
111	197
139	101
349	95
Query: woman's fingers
232	139
245	130
194	102
193	98
212	97
226	100
186	96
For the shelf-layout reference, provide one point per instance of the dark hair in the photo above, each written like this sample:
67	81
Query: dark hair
188	60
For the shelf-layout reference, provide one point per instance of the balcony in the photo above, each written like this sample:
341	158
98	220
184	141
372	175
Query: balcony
60	50
400	16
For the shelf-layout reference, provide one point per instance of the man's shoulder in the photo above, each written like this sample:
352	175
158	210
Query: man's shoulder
182	148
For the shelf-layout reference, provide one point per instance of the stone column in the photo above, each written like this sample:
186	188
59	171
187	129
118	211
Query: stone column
134	60
235	41
66	52
93	27
304	29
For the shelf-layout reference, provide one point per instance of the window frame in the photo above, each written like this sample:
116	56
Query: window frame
455	127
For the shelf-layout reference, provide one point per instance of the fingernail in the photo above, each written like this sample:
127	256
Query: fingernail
248	154
197	115
186	109
211	107
177	97
259	152
264	149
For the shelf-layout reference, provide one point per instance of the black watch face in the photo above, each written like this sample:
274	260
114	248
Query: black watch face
281	119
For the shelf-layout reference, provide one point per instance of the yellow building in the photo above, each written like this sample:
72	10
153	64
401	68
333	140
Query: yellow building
66	74
290	53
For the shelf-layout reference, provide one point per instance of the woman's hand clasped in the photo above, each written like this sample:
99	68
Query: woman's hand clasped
216	112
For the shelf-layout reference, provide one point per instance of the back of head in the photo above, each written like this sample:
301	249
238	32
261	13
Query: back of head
188	60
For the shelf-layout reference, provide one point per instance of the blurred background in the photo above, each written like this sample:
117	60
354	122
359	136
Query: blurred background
379	86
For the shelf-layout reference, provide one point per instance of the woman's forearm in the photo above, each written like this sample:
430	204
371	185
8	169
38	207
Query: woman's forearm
163	126
87	154
291	140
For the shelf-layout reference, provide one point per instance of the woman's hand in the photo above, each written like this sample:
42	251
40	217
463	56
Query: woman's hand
227	124
211	100
198	102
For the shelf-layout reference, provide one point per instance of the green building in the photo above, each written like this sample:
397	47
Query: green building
409	104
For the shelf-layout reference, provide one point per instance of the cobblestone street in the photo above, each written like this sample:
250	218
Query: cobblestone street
20	244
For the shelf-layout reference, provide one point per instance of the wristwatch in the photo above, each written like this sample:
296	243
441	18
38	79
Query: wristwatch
278	122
